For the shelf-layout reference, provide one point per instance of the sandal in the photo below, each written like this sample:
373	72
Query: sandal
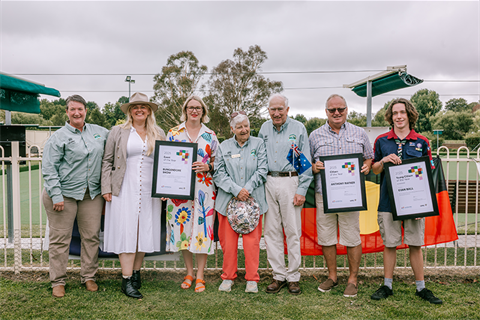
198	288
188	285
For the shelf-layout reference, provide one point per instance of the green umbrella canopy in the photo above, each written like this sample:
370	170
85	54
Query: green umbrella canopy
22	95
388	83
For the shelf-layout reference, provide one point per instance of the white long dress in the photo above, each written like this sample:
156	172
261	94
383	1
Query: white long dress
134	208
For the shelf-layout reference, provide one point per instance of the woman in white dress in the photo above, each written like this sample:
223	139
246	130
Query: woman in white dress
132	216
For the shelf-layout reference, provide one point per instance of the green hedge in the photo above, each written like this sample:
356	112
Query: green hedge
472	140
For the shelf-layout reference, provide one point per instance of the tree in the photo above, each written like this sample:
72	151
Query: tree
476	121
237	85
177	81
457	105
95	116
357	118
379	119
314	123
301	118
454	124
112	112
50	108
427	104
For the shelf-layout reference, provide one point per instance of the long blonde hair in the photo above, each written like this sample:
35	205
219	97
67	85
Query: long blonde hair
151	128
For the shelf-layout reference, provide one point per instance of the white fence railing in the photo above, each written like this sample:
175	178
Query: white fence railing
21	246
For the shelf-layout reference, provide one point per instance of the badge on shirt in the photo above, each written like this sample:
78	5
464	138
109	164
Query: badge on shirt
70	140
253	152
419	145
418	149
236	155
292	137
96	136
412	144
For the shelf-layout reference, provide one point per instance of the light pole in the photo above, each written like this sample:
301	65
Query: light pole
130	81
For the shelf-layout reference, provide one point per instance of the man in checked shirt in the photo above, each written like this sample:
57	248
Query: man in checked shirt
336	137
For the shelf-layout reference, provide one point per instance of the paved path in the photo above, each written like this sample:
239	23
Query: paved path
35	243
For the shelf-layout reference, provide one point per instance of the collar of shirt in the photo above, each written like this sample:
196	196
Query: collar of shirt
284	126
238	145
203	129
344	127
412	135
72	129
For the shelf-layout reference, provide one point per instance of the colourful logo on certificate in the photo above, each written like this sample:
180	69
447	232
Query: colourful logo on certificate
350	166
184	154
417	171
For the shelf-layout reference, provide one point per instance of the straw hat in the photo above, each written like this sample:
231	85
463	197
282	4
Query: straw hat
139	98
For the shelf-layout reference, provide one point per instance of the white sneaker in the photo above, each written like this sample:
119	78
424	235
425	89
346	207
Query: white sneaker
226	286
251	287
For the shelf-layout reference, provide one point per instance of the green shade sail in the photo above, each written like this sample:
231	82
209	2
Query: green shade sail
388	83
21	95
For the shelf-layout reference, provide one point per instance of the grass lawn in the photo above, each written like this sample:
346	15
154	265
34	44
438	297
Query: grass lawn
164	299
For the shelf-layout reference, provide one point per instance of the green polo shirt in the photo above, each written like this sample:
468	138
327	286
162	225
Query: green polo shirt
72	162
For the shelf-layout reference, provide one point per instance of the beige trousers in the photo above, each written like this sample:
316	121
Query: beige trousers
88	213
281	216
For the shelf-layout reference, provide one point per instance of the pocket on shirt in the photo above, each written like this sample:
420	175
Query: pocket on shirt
412	153
354	144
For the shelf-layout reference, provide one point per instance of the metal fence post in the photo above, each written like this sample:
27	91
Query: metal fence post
17	221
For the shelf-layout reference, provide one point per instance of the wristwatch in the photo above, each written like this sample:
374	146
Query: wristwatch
210	167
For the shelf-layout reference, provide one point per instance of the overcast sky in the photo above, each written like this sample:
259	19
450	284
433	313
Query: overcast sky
436	40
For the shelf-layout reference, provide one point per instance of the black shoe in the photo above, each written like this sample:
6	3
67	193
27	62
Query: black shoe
426	294
382	293
129	290
136	281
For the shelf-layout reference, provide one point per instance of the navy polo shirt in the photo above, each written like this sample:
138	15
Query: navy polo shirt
415	146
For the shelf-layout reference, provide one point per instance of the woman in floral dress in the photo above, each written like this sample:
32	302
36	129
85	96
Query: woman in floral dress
190	222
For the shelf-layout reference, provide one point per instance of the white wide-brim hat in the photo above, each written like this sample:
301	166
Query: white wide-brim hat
139	98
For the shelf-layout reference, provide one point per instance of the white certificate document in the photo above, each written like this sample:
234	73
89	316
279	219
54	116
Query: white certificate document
173	175
343	187
411	189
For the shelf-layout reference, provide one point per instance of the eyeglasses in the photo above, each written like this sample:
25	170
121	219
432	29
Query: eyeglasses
236	113
340	110
197	109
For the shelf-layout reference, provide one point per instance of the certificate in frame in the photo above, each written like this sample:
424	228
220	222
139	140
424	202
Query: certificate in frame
343	185
410	188
173	176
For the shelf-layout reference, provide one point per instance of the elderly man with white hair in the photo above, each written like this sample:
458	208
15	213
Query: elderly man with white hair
286	189
241	172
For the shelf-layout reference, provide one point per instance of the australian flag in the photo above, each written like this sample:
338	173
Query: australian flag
298	159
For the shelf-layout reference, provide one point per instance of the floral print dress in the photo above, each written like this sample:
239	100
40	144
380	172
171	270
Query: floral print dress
190	222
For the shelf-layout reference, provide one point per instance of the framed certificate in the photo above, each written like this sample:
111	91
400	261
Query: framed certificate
343	185
173	176
410	188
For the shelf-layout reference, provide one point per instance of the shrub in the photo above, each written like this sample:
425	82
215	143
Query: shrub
472	140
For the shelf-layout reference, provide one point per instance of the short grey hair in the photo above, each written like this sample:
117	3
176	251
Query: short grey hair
238	119
278	95
335	96
76	98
